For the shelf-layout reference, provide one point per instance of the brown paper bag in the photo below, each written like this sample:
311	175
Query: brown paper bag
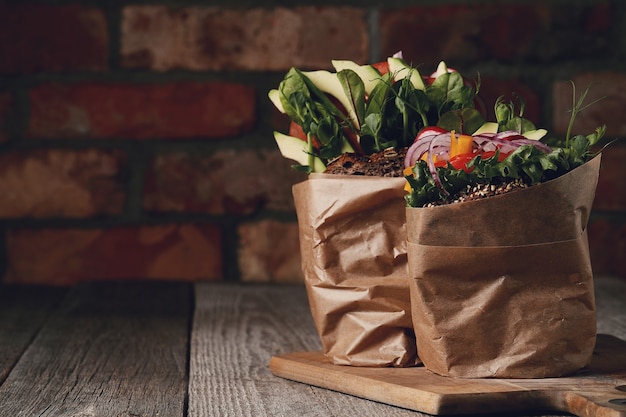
353	245
503	287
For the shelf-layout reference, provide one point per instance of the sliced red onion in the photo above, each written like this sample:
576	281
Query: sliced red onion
436	142
415	151
539	145
423	145
494	146
507	141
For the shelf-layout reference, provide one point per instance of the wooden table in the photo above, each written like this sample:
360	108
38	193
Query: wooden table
176	349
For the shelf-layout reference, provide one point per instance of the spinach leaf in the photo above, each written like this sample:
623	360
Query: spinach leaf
464	120
309	107
449	92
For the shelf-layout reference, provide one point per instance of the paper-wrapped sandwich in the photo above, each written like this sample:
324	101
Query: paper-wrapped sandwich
350	130
501	279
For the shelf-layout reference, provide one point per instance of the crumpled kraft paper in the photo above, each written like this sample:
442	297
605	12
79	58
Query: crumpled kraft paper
353	247
503	287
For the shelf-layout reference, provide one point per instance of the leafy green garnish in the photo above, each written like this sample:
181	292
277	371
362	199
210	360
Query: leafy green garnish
527	163
354	89
309	107
390	117
577	107
465	120
508	120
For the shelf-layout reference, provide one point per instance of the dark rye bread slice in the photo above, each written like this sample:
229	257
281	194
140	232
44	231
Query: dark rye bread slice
388	163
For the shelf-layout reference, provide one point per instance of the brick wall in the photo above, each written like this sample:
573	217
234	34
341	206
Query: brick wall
136	140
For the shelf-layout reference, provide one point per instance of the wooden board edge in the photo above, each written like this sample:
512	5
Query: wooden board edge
296	368
314	369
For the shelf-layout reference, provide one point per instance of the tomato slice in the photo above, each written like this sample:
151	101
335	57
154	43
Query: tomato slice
296	131
460	161
382	67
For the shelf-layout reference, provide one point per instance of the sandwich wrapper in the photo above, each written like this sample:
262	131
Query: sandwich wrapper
503	287
354	260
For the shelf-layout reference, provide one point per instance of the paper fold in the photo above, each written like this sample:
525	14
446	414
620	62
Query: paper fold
353	247
503	287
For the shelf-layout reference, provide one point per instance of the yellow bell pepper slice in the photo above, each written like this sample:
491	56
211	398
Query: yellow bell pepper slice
407	171
460	144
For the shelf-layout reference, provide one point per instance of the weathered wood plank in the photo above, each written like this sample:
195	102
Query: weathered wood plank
23	310
113	349
611	306
236	331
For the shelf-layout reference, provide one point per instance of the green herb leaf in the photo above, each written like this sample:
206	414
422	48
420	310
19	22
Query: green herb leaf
465	120
449	92
354	89
390	116
508	120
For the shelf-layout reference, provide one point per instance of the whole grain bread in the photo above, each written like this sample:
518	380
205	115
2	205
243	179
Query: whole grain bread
388	163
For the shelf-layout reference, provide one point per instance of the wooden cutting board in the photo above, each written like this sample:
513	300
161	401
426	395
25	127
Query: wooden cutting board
598	391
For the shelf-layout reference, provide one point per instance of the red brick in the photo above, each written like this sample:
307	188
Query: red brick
578	32
62	183
229	181
607	248
462	33
269	251
279	121
214	38
599	18
67	256
6	114
40	37
141	111
607	87
611	189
